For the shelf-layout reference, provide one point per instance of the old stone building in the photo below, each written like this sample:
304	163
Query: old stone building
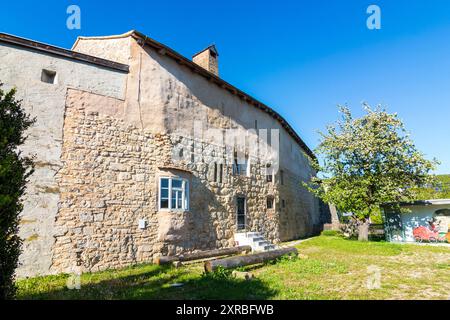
142	152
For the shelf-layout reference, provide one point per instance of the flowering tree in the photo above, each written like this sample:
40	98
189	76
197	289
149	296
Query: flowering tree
366	162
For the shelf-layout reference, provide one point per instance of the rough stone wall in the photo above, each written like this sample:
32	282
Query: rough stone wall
214	200
106	186
21	68
110	180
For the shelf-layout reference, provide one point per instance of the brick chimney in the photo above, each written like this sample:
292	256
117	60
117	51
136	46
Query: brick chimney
208	59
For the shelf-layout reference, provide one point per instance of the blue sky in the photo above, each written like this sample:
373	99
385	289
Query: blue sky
301	57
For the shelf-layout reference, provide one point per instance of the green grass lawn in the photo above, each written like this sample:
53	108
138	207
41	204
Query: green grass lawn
329	267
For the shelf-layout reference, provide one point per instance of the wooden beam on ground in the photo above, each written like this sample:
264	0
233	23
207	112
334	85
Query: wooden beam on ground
246	260
202	255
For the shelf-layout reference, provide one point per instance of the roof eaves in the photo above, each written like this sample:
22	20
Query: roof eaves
50	49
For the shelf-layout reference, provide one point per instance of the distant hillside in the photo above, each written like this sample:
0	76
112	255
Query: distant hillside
445	178
440	191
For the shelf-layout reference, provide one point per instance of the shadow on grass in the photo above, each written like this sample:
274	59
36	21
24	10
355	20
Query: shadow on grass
208	287
158	284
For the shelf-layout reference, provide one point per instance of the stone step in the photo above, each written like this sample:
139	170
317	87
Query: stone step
256	239
253	234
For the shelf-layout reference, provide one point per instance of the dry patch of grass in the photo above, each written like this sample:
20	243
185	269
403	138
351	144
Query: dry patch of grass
405	271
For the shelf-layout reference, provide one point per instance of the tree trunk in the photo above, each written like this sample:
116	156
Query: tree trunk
250	259
202	255
363	231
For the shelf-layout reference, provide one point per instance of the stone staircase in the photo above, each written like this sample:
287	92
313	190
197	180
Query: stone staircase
254	239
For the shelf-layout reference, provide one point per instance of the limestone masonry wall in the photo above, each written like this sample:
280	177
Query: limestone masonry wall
109	181
104	187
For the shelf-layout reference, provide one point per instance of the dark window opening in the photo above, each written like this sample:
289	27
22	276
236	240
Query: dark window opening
192	153
269	202
48	76
215	172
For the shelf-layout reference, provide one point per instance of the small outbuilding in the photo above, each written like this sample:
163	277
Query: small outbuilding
419	221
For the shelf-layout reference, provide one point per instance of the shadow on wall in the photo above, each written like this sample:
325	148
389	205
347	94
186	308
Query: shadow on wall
155	285
325	213
206	209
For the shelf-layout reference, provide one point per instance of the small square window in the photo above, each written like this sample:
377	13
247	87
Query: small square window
48	76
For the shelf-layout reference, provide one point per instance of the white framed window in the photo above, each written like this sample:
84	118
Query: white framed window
173	193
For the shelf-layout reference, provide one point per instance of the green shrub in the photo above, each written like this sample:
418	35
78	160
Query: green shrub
219	274
330	233
14	171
